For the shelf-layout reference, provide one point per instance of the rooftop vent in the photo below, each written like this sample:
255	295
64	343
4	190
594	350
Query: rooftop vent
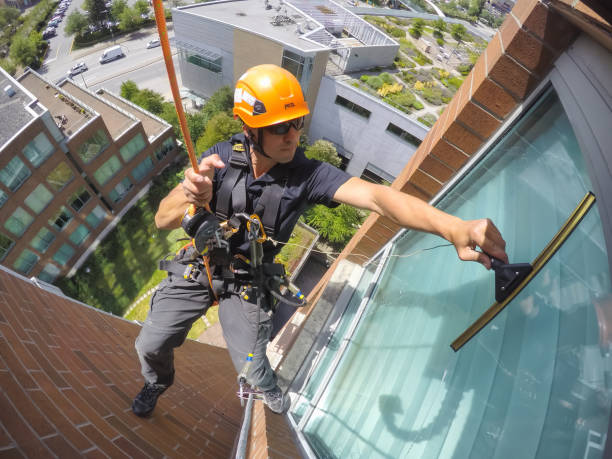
9	91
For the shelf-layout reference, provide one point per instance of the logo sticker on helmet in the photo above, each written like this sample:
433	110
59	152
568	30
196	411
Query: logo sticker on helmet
259	108
289	105
242	95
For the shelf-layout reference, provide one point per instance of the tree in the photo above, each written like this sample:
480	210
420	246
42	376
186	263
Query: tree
458	31
128	19
142	7
221	127
323	150
76	24
417	28
24	51
439	27
128	90
8	18
221	101
149	100
337	225
117	8
96	11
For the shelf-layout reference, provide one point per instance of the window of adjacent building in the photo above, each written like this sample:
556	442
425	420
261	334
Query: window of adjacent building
108	170
14	174
79	198
122	188
19	221
61	218
212	62
26	261
3	198
376	175
43	240
38	149
64	254
359	110
132	148
39	198
60	176
93	146
299	66
49	273
95	217
535	372
166	147
406	136
6	244
79	235
142	169
344	161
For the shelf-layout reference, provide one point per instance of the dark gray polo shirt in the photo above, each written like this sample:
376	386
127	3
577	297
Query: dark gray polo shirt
309	182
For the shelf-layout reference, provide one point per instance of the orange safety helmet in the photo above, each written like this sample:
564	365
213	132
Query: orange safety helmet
268	94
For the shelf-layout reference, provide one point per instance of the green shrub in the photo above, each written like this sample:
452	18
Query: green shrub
396	32
375	82
440	41
364	78
408	76
386	78
464	69
417	105
427	119
421	59
455	82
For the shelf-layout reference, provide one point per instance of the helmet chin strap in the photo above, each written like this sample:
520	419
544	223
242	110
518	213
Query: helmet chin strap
258	146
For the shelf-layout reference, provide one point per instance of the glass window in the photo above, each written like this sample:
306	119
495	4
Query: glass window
3	198
95	217
49	273
353	107
38	149
93	146
535	382
39	198
212	63
43	240
142	169
26	261
406	136
18	222
132	148
64	254
122	188
79	235
108	170
60	176
14	174
61	218
376	175
79	198
166	147
6	244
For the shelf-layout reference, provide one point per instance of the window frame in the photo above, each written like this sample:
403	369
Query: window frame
591	153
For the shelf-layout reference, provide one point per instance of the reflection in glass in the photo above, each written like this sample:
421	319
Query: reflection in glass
537	381
59	177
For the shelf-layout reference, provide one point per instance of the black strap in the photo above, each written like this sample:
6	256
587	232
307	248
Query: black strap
268	205
231	196
193	271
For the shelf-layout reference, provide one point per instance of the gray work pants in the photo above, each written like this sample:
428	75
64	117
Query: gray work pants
176	305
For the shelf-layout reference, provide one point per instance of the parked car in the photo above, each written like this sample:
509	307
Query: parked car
77	68
54	23
49	32
153	43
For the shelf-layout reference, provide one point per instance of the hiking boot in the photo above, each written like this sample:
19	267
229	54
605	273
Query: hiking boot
276	400
145	401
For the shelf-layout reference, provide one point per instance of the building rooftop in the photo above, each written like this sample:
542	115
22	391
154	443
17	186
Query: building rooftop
69	113
115	118
15	113
152	125
305	25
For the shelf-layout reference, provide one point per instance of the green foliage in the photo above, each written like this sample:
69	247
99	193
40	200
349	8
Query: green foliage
220	127
323	150
337	225
396	32
24	51
142	7
458	32
440	41
464	69
439	26
129	19
221	101
364	78
9	66
149	100
117	8
428	119
408	76
96	11
386	78
421	59
8	17
128	90
76	23
375	82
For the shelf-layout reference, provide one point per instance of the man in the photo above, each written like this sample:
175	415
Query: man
262	171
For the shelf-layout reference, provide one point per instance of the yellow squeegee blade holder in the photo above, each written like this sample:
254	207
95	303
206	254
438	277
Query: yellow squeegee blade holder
546	254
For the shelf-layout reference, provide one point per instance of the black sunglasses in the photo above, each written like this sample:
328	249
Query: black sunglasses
283	128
